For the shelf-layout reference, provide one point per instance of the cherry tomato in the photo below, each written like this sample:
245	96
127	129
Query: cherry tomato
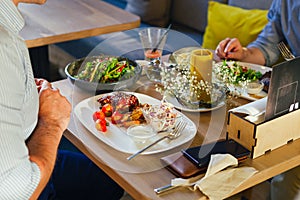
107	109
121	68
101	125
98	115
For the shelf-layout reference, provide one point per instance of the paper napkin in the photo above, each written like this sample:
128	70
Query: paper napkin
252	108
221	178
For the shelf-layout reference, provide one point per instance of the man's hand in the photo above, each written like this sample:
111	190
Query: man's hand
40	82
231	49
54	110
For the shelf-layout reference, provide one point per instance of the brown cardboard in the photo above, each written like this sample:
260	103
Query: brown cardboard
265	136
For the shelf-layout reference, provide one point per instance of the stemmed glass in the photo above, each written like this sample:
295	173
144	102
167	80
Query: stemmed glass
153	41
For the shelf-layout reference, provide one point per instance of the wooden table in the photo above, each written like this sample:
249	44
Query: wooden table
144	173
60	21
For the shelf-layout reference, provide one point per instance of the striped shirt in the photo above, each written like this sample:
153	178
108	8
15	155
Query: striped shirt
18	106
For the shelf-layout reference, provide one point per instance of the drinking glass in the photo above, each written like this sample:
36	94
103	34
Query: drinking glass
153	41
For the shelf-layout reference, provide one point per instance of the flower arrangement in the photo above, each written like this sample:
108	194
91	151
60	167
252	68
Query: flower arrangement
179	82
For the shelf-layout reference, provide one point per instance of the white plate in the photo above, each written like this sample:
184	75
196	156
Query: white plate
177	105
242	93
118	139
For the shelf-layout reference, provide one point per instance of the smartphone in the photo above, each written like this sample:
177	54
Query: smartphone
200	155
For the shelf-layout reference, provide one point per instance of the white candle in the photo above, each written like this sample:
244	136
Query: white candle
201	66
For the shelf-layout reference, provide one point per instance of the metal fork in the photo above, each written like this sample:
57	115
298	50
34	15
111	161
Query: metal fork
284	50
171	136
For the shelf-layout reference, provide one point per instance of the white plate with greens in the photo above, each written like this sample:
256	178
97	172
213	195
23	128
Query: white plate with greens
246	67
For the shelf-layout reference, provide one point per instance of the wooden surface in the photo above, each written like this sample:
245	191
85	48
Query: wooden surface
282	130
64	20
144	173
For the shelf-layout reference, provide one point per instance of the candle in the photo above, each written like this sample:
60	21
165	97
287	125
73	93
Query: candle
201	66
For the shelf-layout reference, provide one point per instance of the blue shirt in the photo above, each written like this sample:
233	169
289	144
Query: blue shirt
19	106
283	25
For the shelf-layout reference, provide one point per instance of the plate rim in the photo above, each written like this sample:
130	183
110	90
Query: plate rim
221	104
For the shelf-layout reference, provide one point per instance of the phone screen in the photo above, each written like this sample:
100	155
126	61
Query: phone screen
200	155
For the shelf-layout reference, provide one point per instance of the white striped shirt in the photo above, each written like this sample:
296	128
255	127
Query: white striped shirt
18	106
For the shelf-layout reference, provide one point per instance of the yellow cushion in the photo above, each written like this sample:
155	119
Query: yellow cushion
229	21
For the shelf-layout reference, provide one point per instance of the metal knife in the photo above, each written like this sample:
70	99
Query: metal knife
165	188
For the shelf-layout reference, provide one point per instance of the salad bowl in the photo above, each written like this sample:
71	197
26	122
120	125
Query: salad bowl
103	73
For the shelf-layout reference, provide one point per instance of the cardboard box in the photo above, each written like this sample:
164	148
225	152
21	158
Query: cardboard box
265	136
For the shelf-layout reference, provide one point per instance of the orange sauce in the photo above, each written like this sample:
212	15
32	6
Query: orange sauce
150	54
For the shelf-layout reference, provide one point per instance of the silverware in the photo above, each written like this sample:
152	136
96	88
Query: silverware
165	188
169	187
284	50
191	182
171	136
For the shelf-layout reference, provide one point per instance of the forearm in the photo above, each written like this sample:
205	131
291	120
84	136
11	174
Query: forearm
42	147
53	119
253	55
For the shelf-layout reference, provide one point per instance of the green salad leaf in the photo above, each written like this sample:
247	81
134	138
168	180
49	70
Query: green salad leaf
106	70
236	73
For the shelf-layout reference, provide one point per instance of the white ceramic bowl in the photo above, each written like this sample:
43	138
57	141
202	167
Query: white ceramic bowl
140	133
254	87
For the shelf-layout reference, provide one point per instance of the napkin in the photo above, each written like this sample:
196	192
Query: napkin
221	178
252	108
255	110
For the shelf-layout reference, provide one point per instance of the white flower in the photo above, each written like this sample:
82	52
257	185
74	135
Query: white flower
180	82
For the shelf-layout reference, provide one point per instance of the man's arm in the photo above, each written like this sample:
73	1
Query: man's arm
253	55
53	118
231	49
